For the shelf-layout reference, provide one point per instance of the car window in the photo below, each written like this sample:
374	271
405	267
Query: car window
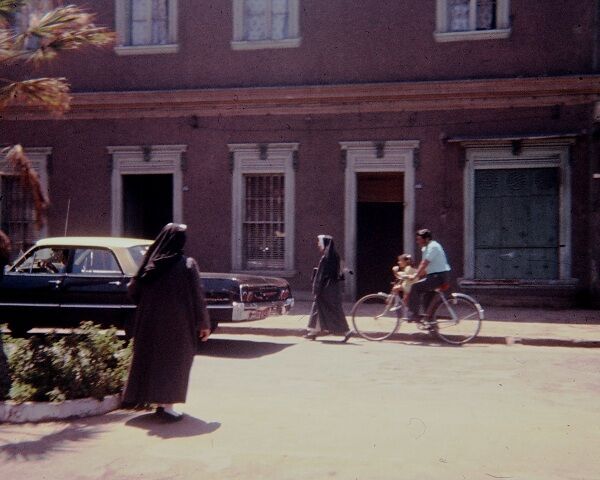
95	261
137	253
44	260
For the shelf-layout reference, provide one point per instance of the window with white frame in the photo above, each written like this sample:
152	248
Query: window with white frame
265	24
472	19
28	15
263	207
146	26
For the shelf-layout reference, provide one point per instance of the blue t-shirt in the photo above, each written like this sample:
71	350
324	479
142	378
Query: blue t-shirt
435	255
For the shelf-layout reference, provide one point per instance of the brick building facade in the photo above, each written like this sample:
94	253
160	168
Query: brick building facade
262	123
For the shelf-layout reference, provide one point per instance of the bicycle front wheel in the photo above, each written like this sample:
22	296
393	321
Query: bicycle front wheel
372	318
458	320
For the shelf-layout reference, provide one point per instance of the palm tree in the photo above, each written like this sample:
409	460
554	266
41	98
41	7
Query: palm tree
39	37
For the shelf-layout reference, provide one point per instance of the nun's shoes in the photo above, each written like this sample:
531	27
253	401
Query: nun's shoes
168	415
312	334
349	334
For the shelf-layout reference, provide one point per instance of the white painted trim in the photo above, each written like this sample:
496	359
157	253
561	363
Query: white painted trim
473	35
246	159
38	157
129	160
263	44
398	156
146	49
552	154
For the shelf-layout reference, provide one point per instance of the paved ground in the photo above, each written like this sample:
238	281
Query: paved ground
530	326
281	407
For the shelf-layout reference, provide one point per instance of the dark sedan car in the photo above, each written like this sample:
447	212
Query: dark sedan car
63	280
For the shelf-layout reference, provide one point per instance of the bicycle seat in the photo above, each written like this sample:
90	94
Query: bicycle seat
443	287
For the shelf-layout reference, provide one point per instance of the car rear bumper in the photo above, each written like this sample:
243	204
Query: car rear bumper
250	311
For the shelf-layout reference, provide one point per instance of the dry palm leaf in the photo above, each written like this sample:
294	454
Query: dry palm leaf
16	157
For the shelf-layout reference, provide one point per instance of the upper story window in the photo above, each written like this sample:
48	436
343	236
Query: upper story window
265	24
146	26
29	15
472	20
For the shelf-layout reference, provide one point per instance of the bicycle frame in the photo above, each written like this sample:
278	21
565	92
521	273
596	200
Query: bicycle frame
448	305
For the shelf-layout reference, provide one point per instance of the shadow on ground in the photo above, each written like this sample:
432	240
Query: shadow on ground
187	427
224	347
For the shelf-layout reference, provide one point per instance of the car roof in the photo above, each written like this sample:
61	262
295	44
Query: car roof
111	242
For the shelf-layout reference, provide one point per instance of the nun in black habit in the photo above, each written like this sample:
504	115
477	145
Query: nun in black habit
327	315
171	318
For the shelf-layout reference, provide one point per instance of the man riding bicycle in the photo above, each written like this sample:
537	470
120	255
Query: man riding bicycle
434	271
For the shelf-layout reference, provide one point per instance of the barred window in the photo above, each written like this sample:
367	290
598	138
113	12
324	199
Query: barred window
17	213
264	222
263	206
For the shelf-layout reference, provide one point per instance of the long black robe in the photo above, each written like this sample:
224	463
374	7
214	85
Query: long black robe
327	312
171	311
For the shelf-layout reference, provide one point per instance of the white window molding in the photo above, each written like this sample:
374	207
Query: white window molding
292	37
550	154
248	159
396	156
444	32
123	29
136	160
38	158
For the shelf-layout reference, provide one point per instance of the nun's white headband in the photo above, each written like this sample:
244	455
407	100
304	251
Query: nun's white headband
322	239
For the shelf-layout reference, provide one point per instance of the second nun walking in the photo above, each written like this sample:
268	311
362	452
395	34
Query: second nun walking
327	315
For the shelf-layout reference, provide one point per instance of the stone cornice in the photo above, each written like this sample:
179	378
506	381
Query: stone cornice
328	99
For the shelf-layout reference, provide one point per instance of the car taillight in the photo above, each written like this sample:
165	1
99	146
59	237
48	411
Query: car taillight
247	296
285	294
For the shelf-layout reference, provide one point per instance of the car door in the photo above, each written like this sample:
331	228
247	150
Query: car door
95	287
31	290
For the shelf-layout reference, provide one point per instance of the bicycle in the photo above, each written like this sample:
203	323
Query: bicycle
455	318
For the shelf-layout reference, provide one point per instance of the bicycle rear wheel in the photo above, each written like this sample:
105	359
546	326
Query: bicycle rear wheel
458	321
372	318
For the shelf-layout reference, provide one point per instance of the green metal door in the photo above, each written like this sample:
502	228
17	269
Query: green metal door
517	223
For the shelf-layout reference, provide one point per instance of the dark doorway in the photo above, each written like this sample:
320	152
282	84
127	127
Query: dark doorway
379	229
147	204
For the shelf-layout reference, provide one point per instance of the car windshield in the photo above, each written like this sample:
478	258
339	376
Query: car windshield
137	253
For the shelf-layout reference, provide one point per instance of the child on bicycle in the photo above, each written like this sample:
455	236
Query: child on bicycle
405	274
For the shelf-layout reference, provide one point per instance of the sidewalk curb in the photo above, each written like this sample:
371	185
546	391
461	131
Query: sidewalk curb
12	412
423	337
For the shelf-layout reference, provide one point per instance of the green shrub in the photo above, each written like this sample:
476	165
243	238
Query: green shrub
90	362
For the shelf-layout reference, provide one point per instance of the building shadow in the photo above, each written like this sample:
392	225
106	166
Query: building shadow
187	427
229	348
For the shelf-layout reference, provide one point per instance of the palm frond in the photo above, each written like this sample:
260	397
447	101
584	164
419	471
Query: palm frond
64	28
9	7
50	93
16	158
